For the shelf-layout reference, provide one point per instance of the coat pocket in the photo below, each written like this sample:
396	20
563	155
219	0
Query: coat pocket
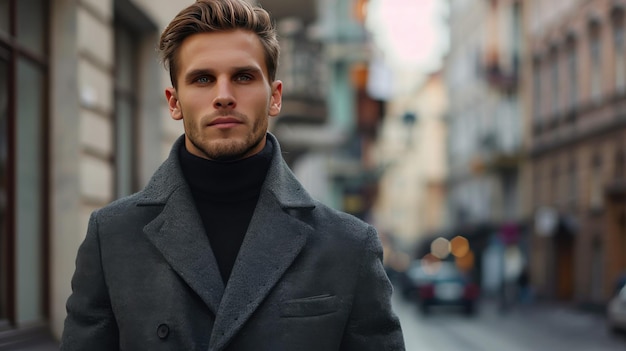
310	306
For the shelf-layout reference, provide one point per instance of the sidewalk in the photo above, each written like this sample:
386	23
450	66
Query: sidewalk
550	315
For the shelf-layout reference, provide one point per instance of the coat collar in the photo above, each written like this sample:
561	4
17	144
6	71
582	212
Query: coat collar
274	238
280	181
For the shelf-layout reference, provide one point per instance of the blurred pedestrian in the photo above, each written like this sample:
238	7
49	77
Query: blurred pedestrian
620	282
224	249
524	289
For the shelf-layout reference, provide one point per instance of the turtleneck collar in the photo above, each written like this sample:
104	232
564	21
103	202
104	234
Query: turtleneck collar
226	181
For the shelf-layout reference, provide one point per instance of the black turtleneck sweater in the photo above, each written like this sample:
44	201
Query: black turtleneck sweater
226	194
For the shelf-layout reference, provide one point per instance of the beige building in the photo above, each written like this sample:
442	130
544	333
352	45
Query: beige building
577	91
83	120
485	136
411	148
485	115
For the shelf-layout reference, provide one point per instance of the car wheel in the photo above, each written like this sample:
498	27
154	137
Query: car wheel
425	308
613	329
470	309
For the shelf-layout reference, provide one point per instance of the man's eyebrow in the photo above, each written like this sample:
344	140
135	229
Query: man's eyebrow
197	72
206	71
251	69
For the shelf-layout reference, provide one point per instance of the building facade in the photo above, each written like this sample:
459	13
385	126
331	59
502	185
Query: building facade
83	121
326	124
485	130
576	90
412	150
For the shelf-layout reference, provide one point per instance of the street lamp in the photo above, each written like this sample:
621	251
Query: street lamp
409	119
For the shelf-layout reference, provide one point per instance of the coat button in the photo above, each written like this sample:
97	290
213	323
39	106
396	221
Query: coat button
163	331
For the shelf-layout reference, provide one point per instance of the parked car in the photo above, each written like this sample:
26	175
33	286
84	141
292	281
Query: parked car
616	311
444	284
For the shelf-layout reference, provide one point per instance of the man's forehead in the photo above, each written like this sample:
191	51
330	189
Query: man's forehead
231	39
222	50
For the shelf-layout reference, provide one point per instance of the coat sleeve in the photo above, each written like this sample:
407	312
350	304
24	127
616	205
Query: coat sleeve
90	323
372	325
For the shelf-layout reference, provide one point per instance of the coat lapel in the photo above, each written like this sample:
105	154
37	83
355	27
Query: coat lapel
273	241
178	232
180	236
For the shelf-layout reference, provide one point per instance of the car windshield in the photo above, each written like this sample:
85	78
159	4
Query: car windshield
442	271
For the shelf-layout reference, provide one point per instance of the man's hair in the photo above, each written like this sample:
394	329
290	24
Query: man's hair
219	16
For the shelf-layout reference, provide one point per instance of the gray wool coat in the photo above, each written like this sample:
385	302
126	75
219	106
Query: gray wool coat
306	278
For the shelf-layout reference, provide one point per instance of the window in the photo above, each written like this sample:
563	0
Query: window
5	254
572	190
134	127
572	73
555	188
620	54
537	101
23	163
126	101
597	270
595	79
300	66
596	199
554	81
546	103
510	194
517	35
620	165
537	183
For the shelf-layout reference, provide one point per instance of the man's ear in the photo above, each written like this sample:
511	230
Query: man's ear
173	103
276	99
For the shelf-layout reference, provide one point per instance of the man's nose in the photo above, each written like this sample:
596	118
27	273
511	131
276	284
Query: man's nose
224	95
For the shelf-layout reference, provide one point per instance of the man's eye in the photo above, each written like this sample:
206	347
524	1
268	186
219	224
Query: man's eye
202	80
244	77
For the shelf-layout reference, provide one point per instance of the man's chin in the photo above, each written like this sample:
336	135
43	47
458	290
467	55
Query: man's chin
227	150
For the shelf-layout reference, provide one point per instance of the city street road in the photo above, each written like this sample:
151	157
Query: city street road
523	328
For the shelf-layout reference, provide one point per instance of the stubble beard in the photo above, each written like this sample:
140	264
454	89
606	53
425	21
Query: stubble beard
228	149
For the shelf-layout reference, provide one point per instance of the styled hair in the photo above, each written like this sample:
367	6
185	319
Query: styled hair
219	16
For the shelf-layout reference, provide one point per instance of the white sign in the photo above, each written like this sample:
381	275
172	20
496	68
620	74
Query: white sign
546	220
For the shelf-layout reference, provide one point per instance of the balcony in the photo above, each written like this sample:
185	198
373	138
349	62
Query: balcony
505	80
497	158
303	73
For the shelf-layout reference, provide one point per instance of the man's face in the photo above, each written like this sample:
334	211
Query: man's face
224	96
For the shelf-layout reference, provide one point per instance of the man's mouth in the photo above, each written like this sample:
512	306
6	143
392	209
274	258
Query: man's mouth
225	122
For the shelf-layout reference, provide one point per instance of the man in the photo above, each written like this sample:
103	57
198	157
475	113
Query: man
224	249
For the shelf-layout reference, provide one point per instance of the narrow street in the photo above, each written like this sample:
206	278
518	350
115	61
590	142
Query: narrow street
530	328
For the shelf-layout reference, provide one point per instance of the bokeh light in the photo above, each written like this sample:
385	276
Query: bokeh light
440	248
459	246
